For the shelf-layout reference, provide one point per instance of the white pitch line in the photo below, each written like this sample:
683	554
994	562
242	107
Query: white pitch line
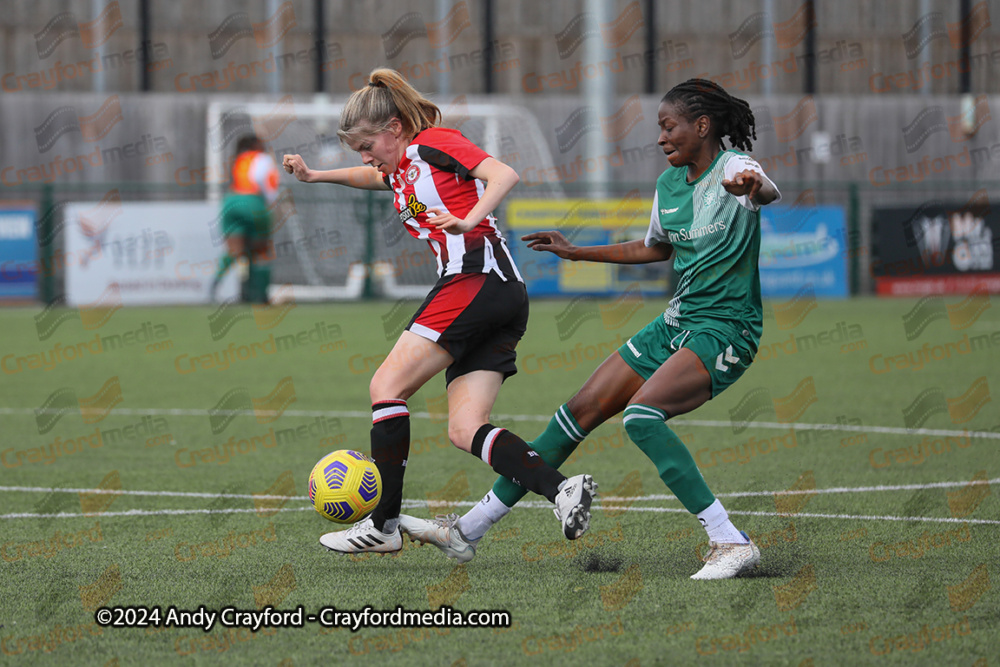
852	428
124	492
645	498
680	510
838	489
358	414
193	412
528	505
810	515
866	517
101	515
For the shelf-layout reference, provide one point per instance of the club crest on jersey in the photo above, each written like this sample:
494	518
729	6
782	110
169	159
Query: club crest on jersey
412	174
413	208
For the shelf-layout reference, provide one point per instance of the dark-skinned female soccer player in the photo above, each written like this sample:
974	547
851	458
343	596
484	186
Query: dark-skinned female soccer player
706	215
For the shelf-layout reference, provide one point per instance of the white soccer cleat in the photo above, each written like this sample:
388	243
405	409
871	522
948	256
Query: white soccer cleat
725	561
443	532
573	505
363	537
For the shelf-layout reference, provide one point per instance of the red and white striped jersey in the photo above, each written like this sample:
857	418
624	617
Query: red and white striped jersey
434	173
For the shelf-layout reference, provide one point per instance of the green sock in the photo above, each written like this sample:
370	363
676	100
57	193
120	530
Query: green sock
265	281
646	427
554	446
224	263
246	279
258	281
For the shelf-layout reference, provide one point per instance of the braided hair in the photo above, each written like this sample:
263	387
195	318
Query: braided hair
731	117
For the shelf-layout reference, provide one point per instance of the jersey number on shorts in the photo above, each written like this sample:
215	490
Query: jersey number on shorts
730	359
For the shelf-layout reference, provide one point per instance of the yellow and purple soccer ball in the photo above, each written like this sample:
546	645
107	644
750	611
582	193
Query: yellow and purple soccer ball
345	486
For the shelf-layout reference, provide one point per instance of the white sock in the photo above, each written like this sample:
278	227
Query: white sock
390	526
720	529
482	516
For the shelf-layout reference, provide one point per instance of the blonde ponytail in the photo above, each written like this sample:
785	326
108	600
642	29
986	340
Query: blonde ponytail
387	96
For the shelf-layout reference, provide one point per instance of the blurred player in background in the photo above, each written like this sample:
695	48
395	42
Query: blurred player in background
445	189
246	220
706	214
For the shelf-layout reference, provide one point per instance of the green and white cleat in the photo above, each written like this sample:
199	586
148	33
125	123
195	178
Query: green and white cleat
443	532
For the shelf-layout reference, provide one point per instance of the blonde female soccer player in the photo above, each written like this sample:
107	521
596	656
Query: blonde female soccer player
445	189
706	214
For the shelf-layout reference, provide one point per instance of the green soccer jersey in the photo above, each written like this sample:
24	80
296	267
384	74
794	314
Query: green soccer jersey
716	241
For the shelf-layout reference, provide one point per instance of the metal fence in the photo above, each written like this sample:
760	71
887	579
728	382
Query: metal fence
338	227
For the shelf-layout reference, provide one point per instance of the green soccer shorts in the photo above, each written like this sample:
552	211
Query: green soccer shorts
725	360
246	216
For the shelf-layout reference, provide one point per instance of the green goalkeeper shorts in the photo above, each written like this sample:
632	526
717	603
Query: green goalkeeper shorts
246	216
650	348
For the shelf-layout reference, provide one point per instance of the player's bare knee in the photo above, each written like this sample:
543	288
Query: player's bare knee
384	387
375	390
461	434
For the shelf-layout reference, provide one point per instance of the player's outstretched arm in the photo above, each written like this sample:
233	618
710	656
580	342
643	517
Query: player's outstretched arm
365	178
629	252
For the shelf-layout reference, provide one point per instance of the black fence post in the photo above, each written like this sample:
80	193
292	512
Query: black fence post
319	25
488	84
145	47
47	241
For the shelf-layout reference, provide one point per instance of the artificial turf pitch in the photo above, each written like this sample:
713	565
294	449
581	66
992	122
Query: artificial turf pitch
885	553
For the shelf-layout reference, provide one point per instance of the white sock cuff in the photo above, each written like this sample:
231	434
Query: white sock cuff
713	515
482	516
720	529
493	507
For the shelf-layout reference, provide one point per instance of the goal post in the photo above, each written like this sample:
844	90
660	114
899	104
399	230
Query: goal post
340	243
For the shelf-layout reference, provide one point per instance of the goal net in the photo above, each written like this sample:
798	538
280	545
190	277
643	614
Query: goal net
333	242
